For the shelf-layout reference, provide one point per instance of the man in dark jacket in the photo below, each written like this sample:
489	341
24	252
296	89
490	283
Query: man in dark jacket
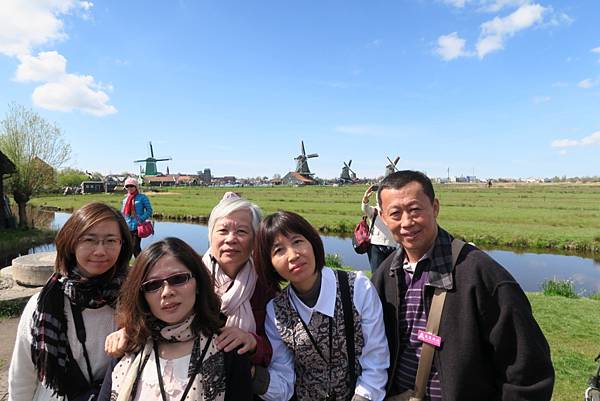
491	346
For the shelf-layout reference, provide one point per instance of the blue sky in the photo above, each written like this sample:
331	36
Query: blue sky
497	88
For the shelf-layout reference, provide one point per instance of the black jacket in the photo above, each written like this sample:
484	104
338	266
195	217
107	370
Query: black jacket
492	347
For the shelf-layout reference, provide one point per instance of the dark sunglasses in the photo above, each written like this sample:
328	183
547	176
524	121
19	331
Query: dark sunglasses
129	186
174	281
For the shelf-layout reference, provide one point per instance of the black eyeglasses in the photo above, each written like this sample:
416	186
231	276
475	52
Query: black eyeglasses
175	280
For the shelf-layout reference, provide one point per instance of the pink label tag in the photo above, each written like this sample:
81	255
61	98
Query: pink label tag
429	338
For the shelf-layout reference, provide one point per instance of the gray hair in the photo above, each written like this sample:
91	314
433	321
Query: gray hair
227	206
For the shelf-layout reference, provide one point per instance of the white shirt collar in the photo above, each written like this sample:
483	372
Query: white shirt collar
325	303
410	267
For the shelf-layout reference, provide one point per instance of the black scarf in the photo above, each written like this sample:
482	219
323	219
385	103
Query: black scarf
50	344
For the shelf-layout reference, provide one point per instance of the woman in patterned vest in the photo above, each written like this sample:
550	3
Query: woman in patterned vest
171	317
306	322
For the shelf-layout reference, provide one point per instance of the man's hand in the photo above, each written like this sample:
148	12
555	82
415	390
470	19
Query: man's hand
115	343
232	337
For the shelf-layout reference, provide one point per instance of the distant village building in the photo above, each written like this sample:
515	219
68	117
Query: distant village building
92	187
295	178
6	218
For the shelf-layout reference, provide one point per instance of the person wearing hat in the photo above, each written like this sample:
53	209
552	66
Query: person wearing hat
136	209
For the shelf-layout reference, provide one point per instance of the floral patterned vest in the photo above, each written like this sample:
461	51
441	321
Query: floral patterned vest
312	371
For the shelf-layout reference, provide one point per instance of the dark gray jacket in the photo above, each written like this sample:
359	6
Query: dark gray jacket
492	347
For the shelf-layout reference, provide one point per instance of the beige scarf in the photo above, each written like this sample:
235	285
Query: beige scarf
235	298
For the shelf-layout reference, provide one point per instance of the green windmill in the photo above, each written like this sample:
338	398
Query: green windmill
151	163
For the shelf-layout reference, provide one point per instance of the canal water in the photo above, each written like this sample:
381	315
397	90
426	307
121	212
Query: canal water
529	269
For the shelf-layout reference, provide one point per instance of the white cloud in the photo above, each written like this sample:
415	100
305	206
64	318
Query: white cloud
375	43
587	83
563	143
456	3
47	66
497	30
25	24
589	140
596	50
497	5
541	99
73	92
558	19
29	24
451	46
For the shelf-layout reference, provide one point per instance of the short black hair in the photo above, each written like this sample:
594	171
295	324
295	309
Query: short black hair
402	178
284	223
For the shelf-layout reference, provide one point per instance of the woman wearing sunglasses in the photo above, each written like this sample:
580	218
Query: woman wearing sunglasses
326	327
59	347
171	317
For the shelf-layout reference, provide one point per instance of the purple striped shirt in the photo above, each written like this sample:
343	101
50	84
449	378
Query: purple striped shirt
412	319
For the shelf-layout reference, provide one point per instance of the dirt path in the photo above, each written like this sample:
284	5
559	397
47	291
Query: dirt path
8	331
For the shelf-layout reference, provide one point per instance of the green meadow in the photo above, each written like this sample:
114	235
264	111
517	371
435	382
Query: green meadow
543	216
558	216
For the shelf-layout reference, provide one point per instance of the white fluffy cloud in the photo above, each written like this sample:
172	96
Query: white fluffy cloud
451	46
587	83
494	6
589	140
541	99
26	24
47	66
596	50
73	92
497	30
29	24
456	3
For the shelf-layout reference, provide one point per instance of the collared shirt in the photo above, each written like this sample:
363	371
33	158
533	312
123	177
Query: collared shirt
440	268
374	358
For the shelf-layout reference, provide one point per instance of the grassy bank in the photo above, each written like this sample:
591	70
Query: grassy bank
562	217
13	240
571	327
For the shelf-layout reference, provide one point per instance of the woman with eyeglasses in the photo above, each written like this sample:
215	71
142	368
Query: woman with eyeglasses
171	317
59	350
136	208
326	327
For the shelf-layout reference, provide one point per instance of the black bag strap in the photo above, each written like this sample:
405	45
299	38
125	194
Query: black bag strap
375	213
80	329
343	281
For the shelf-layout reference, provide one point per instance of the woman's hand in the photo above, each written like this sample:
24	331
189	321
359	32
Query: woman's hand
232	337
115	343
367	194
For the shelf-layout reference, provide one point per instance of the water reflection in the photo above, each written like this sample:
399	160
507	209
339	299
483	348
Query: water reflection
530	269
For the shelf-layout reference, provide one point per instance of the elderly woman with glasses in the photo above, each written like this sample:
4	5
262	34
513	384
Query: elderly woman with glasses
59	352
172	319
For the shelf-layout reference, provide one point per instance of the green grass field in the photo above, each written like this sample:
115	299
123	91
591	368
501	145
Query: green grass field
571	328
563	217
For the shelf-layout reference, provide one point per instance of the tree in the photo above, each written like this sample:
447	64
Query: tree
70	177
37	148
